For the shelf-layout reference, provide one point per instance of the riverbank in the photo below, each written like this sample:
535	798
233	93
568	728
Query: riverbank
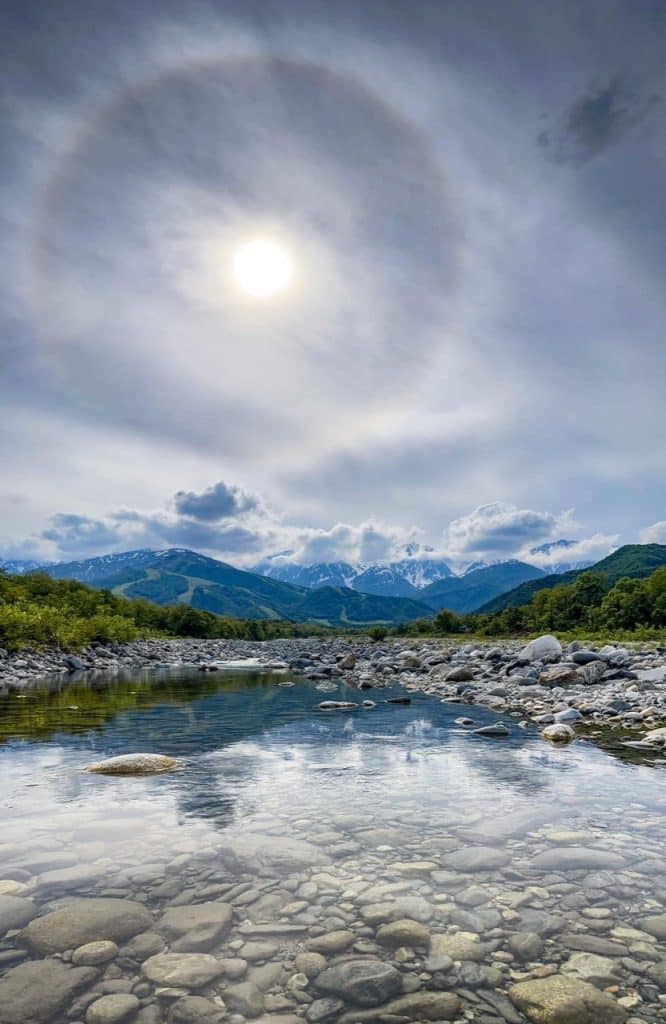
610	687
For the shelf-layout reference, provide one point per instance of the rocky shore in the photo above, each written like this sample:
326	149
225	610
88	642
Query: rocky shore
565	691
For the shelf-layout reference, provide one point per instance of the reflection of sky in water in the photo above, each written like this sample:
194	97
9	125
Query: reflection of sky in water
264	757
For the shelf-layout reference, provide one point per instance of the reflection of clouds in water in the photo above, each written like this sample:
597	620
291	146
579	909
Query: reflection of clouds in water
385	763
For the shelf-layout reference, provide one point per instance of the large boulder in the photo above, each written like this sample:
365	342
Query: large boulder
364	982
558	999
40	990
545	646
83	921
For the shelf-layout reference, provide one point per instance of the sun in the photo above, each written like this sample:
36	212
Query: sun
262	268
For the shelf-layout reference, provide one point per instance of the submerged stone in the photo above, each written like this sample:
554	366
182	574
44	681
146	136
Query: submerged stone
83	921
36	992
558	999
182	970
364	982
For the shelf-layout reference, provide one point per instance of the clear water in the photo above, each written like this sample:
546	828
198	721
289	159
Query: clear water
374	794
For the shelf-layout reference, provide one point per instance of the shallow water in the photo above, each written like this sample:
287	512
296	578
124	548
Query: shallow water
373	811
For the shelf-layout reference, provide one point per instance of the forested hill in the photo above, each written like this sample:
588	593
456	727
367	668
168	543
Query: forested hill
183	577
632	561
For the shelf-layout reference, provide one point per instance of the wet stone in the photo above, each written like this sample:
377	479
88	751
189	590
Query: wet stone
331	942
363	982
86	921
112	1009
403	933
196	928
182	970
15	912
196	1010
562	1000
35	992
94	953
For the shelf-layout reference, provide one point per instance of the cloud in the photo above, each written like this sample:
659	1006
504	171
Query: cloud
655	534
217	502
596	121
80	535
463	313
587	549
500	529
369	541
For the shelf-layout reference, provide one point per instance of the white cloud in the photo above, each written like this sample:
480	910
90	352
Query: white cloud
587	549
499	530
655	534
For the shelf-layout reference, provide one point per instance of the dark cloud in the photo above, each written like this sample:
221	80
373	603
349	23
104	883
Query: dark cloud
76	534
596	121
217	502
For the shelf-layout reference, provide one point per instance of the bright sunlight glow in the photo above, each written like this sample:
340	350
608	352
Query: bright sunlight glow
262	268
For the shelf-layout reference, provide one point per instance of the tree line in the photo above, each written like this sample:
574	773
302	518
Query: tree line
590	604
38	611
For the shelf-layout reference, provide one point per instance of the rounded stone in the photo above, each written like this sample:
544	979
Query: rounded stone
94	953
403	933
85	921
559	999
310	964
182	970
112	1009
364	982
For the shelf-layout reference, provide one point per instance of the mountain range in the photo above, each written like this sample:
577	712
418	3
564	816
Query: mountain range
180	576
403	578
330	593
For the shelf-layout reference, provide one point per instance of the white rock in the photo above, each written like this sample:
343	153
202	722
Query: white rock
133	764
542	647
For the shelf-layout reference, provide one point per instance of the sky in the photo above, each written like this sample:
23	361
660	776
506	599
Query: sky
470	354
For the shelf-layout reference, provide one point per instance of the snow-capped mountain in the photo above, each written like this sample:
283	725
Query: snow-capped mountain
403	578
552	557
91	570
323	574
19	566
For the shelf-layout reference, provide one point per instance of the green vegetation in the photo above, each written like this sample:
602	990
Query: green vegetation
634	608
38	611
633	561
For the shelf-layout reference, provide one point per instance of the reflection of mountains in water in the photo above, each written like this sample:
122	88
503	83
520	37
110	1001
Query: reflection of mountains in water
196	716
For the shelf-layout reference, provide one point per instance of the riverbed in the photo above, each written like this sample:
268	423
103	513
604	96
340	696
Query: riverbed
383	863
